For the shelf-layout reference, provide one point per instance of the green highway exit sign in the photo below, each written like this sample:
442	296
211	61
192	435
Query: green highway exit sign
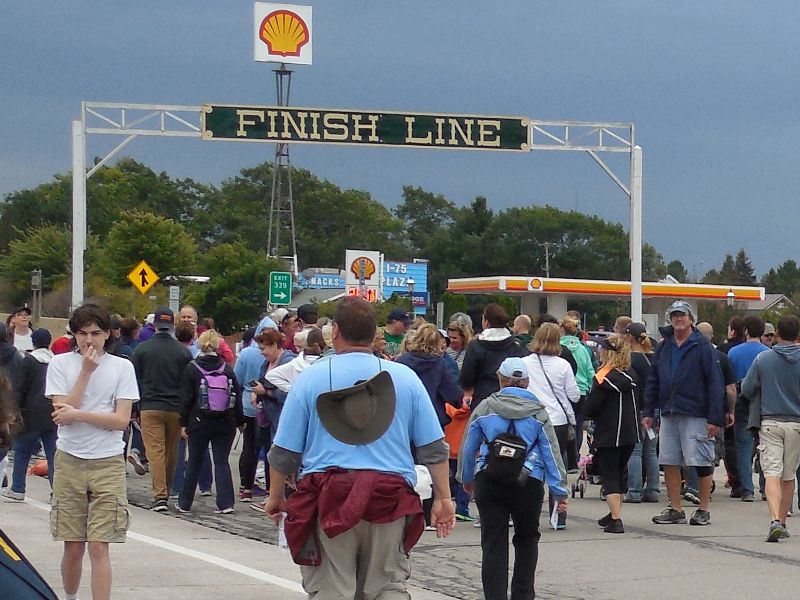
280	288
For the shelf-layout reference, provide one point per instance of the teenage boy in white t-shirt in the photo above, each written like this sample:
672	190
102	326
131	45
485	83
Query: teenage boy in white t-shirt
92	393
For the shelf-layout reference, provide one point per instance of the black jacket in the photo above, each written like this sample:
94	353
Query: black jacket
191	416
481	361
36	407
613	407
159	364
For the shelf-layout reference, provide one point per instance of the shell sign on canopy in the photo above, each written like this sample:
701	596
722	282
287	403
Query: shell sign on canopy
282	33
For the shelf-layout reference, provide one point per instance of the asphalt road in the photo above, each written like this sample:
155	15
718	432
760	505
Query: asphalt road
209	556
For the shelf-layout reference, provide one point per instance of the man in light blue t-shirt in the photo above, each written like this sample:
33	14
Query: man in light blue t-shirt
742	357
366	451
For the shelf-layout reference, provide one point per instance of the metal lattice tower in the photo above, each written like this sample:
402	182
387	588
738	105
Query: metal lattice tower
281	204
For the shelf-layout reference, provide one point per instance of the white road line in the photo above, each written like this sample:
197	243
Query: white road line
209	558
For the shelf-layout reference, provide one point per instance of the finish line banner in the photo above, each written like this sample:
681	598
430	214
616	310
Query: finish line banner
281	124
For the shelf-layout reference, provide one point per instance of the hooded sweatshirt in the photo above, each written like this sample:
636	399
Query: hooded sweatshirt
531	423
482	359
773	385
438	380
612	405
583	358
282	377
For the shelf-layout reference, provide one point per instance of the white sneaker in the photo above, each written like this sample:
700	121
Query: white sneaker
477	523
10	494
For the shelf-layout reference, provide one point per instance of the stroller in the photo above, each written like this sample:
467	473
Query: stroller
588	473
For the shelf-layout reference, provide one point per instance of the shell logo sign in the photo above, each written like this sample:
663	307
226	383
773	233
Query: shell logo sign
282	33
363	268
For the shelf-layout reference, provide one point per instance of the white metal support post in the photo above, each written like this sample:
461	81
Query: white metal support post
116	118
78	210
636	233
594	138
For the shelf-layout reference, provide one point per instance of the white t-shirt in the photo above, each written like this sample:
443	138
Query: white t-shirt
23	342
114	378
563	380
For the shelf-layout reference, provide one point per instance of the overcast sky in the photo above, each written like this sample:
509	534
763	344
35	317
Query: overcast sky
712	87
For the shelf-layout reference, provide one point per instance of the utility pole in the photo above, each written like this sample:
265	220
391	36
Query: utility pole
547	259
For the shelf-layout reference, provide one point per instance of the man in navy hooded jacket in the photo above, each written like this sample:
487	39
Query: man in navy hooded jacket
686	386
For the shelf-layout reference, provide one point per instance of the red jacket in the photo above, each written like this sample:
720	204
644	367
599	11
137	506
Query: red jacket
339	499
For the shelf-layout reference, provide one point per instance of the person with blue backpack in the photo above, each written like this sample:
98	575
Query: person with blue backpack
509	452
211	413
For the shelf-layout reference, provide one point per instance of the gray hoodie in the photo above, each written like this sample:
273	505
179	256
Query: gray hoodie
773	385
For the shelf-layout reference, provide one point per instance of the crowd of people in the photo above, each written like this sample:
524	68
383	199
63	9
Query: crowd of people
346	425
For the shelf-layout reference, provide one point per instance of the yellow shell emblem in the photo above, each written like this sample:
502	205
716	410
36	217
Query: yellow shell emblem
284	32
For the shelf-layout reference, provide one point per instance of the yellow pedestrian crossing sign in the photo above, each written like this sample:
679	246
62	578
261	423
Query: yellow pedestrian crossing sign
143	277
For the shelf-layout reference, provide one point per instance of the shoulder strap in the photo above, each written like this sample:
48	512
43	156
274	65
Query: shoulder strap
218	371
552	389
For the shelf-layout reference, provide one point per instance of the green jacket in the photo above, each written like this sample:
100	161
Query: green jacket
583	356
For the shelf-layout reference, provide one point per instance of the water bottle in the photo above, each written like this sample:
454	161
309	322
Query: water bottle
203	394
231	395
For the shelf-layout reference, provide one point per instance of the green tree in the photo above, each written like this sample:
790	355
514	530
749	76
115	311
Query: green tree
745	274
677	270
44	247
783	280
425	216
238	291
163	243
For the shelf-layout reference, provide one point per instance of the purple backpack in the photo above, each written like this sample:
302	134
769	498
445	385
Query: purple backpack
216	391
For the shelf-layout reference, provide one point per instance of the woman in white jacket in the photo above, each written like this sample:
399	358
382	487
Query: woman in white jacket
553	383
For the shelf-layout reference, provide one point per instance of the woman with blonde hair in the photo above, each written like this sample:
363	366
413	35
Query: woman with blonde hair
460	335
583	357
613	406
212	412
552	382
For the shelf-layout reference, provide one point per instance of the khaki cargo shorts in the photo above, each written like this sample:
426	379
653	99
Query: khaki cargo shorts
779	448
89	503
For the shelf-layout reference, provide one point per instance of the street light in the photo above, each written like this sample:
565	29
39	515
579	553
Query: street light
410	283
730	298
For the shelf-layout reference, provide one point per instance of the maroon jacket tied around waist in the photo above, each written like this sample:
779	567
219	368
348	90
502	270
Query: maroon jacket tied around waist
339	499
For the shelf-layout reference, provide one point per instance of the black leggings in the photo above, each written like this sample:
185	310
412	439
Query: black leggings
611	463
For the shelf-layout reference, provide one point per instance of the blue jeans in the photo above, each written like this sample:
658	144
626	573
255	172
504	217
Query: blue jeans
457	490
25	445
644	455
221	444
744	453
206	478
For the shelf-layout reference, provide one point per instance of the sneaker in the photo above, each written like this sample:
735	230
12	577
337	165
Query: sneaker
159	506
259	506
245	496
206	493
691	496
477	523
650	497
764	496
134	459
776	531
603	521
223	511
259	491
174	495
700	517
181	510
670	516
464	518
614	526
785	535
736	493
10	494
430	528
747	497
631	499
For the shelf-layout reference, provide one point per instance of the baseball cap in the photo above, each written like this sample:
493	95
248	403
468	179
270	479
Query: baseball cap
514	368
398	314
680	306
769	329
164	318
308	313
41	338
636	329
19	309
